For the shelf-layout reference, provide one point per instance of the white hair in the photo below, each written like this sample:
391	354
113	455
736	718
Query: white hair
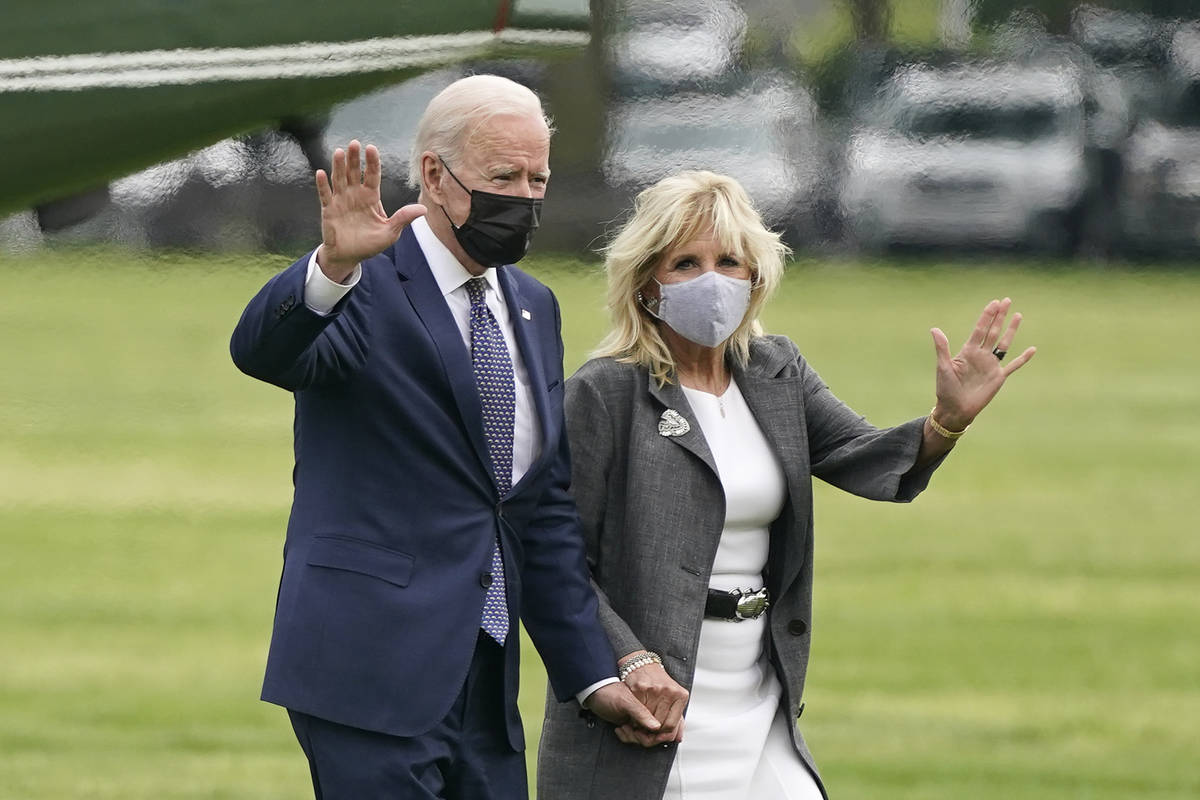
458	111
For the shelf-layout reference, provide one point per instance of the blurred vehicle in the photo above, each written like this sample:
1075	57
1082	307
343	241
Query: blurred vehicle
681	98
1159	205
1128	50
980	155
1117	37
764	136
658	47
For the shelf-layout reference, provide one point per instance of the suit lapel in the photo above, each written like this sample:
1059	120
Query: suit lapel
671	396
532	356
429	304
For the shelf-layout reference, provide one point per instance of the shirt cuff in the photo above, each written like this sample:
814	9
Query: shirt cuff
322	294
583	696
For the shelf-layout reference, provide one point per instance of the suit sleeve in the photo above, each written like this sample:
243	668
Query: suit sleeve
848	452
282	341
589	429
559	606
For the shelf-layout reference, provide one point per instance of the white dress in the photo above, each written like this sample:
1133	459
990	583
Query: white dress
736	743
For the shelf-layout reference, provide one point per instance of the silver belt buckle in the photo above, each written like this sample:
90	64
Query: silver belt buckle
750	605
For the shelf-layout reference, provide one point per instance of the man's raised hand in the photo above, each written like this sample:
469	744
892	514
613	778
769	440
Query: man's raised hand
354	225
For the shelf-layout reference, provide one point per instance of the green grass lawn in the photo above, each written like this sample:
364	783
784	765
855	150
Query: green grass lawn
1027	629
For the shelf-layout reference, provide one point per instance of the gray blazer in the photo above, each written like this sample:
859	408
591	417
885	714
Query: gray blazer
653	508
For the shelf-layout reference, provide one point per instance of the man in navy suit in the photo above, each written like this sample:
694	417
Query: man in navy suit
431	507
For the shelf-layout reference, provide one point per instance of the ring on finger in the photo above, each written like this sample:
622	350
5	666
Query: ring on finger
998	353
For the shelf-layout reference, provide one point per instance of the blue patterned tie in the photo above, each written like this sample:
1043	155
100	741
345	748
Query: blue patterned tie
497	393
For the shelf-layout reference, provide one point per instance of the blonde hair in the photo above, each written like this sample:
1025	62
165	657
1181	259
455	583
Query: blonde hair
669	214
457	112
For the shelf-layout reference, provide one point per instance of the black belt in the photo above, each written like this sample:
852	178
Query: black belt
736	604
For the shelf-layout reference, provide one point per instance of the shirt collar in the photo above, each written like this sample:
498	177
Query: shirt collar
446	269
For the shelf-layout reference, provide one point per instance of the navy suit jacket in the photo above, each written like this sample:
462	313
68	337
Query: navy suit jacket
395	509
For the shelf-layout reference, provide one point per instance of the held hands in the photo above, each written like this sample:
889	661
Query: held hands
614	703
663	697
354	225
967	382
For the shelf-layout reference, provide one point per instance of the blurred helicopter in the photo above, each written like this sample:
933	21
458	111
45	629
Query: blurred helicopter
92	91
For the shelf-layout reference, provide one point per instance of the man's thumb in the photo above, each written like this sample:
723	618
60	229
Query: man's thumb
405	215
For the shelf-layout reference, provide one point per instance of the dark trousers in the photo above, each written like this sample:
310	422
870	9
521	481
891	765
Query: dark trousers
465	757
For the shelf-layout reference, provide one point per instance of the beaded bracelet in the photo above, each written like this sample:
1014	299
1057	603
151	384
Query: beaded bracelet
637	662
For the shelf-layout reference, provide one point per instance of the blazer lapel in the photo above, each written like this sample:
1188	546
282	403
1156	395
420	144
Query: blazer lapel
429	304
778	408
671	396
531	354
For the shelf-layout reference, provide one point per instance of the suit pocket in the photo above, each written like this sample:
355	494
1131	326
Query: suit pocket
363	557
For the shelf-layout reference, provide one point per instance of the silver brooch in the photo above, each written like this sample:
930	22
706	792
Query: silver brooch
672	424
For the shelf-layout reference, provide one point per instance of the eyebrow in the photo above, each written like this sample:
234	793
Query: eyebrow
509	169
693	256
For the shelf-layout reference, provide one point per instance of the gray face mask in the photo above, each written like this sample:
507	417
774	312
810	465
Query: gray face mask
705	310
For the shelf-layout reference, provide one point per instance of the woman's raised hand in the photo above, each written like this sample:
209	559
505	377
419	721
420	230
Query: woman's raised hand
967	382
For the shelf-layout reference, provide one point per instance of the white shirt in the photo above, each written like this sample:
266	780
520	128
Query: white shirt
322	294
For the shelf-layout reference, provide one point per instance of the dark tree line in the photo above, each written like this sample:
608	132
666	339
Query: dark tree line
1058	12
872	18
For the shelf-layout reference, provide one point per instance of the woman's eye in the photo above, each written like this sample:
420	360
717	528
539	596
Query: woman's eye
686	263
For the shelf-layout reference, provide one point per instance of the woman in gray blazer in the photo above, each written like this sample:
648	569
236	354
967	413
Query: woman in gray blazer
694	439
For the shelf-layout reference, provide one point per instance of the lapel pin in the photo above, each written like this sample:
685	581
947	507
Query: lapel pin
672	423
526	314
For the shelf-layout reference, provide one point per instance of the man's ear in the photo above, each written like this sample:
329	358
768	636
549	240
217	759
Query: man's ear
432	172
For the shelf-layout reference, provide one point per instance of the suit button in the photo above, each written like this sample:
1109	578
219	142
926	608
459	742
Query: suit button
500	510
797	627
485	579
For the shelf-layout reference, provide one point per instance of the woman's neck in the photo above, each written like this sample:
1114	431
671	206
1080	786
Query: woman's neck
697	366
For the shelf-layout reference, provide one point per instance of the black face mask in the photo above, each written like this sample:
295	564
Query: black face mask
498	228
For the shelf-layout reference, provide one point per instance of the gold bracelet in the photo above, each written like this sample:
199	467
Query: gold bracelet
945	433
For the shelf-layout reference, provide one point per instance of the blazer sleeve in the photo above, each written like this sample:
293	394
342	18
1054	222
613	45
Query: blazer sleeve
282	341
558	604
852	454
590	431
